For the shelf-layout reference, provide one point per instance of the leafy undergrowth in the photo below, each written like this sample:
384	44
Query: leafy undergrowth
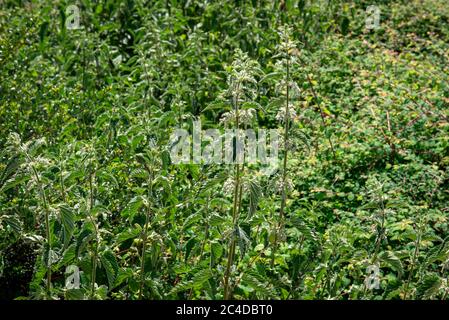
87	181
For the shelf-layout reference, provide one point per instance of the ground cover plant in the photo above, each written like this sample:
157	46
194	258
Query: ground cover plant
94	203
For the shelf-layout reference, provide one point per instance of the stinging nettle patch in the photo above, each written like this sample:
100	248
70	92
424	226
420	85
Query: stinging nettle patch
235	146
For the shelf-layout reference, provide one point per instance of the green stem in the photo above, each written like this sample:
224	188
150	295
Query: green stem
145	236
47	223
236	206
284	167
413	263
95	253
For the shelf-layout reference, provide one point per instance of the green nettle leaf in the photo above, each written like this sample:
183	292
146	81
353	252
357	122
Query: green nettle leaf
196	282
430	286
302	227
15	181
68	255
250	280
255	194
50	257
11	167
181	286
133	208
216	220
38	275
74	294
111	266
201	277
392	261
68	221
123	275
12	221
73	175
242	240
165	156
139	173
129	233
192	219
154	287
107	176
189	246
216	250
83	238
439	253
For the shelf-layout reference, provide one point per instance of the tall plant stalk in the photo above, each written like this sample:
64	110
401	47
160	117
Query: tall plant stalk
286	48
145	233
235	208
47	225
242	73
47	216
414	257
23	149
95	245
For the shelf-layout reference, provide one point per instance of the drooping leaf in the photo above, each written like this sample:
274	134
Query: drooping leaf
83	238
67	217
110	264
392	261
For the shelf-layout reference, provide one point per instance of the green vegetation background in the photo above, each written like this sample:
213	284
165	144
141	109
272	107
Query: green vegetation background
93	108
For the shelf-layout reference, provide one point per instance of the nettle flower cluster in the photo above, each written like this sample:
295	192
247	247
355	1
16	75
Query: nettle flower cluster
247	117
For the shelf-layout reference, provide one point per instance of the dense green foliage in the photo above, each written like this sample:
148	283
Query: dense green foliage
86	177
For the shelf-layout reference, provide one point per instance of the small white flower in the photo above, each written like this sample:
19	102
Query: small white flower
228	186
152	143
282	113
227	117
279	186
247	116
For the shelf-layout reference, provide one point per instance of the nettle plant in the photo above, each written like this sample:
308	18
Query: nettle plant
241	90
288	95
30	167
99	209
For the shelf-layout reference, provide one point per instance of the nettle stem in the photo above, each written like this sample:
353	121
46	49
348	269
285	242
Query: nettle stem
47	223
235	208
95	249
414	259
284	165
145	234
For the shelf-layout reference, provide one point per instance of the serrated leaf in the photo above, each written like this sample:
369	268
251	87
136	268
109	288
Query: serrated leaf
132	208
255	193
391	260
13	222
189	246
83	238
242	240
216	220
110	265
302	227
254	283
129	234
68	255
74	294
216	250
14	181
68	221
430	286
196	282
11	167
